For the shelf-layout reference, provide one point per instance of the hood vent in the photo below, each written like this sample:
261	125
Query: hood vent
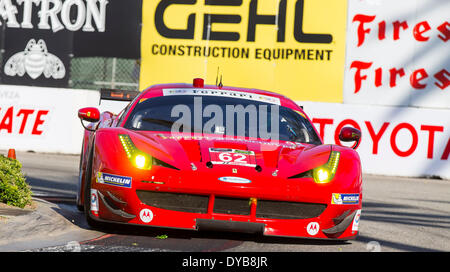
306	174
163	164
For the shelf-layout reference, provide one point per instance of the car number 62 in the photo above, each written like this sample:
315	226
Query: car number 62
233	157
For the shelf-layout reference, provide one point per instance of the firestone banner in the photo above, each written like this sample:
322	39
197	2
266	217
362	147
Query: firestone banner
398	53
296	48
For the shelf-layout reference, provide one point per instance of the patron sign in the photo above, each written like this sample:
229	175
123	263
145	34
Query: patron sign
55	14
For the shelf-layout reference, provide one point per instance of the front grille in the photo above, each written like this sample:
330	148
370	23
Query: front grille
288	210
231	206
267	209
174	201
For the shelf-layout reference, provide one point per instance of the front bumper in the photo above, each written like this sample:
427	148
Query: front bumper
174	209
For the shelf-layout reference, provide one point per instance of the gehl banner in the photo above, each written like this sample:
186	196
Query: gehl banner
39	37
294	47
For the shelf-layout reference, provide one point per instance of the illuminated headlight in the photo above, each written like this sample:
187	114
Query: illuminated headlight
321	175
325	173
140	161
138	158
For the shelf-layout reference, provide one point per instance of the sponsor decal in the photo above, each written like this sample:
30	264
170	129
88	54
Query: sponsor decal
313	228
94	200
232	157
23	120
68	28
88	13
393	134
385	61
355	225
224	93
417	137
273	39
114	180
342	199
35	60
234	180
146	215
291	145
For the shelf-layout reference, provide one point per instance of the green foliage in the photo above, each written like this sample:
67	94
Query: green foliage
164	236
14	190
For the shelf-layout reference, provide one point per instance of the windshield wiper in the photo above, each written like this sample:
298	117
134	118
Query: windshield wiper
158	121
166	123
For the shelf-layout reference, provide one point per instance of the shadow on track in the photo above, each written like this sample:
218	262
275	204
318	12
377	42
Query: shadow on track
119	235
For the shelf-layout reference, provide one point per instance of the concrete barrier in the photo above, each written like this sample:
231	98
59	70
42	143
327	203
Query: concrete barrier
45	119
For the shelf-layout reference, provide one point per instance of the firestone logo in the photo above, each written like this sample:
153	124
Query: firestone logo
421	32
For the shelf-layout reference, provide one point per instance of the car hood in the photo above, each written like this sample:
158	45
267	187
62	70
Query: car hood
185	152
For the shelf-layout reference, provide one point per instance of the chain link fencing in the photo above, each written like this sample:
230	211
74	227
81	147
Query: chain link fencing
98	72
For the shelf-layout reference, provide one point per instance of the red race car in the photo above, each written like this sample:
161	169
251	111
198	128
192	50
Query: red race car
198	157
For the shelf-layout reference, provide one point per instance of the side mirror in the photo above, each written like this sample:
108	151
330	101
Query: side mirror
350	134
89	114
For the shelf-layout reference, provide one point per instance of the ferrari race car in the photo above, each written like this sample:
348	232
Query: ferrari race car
201	157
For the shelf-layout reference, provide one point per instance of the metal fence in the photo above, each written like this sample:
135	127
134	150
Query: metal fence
97	72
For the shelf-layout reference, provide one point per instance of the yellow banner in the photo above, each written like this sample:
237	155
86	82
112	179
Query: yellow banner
296	48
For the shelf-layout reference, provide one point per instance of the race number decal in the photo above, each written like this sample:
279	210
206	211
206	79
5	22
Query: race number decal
232	157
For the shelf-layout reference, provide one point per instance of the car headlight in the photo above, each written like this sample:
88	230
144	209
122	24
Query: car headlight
138	158
325	173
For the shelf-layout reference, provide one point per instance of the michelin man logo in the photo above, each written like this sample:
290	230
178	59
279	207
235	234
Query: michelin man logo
35	60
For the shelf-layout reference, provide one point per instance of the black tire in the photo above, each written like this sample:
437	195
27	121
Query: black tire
87	193
80	207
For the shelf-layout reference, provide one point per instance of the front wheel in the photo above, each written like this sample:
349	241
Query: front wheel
87	194
80	172
79	207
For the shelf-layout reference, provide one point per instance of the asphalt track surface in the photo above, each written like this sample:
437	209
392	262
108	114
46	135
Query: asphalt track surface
399	214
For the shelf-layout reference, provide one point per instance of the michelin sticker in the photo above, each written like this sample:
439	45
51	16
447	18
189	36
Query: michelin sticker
114	180
345	199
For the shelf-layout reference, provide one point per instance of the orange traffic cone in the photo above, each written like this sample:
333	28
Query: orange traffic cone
12	154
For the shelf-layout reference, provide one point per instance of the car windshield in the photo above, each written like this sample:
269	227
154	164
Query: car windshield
221	116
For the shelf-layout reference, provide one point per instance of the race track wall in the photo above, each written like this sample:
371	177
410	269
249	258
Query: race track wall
398	141
45	119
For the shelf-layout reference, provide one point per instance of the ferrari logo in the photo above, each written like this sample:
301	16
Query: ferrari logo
234	171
